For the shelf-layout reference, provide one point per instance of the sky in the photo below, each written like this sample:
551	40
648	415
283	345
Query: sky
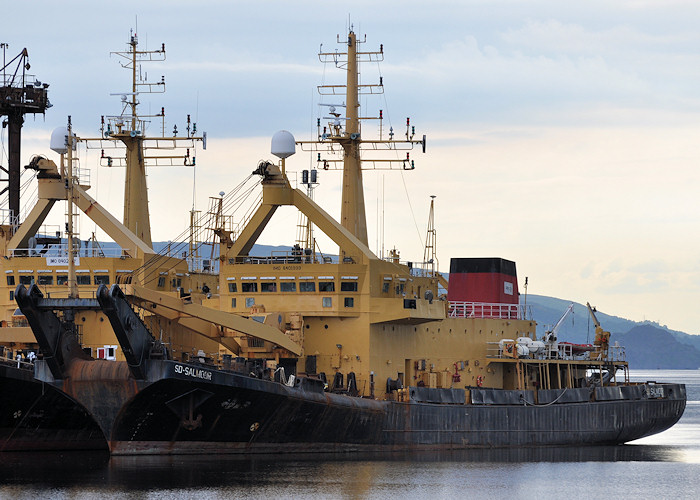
560	135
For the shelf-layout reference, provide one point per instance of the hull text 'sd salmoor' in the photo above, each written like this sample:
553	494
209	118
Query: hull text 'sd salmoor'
347	352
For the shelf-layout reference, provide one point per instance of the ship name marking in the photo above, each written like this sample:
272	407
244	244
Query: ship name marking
193	372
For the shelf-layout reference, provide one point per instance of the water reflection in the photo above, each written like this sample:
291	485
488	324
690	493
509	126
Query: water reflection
149	472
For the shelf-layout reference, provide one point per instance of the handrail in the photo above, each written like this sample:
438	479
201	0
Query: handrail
459	309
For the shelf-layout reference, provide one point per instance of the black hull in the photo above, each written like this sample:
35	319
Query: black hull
186	409
237	414
36	416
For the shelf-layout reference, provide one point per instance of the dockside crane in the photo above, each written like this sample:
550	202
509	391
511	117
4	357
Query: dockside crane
20	94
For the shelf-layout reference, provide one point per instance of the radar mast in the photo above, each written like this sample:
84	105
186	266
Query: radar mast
349	135
142	150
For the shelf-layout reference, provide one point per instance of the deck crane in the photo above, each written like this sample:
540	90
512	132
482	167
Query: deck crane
602	337
550	336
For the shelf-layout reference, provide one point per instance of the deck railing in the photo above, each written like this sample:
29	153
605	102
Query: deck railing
489	310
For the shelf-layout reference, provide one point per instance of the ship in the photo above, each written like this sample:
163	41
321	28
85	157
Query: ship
334	352
34	416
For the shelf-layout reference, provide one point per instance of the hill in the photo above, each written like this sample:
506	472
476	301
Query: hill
647	345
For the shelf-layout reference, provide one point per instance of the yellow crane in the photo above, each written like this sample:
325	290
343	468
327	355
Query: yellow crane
602	337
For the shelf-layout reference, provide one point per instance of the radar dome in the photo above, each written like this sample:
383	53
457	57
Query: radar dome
283	144
59	140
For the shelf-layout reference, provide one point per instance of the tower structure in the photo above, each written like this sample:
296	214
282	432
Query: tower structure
346	132
20	94
142	149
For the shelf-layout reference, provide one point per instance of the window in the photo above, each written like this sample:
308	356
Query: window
326	286
268	286
249	287
233	303
161	281
45	279
349	302
12	295
11	279
26	280
101	279
385	287
400	289
327	302
177	282
287	286
348	286
83	279
61	279
232	288
255	342
249	301
307	286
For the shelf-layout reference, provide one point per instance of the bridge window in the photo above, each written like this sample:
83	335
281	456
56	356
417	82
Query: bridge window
307	286
268	286
61	279
348	286
232	288
11	279
101	279
249	287
83	279
45	279
326	286
161	282
26	280
288	286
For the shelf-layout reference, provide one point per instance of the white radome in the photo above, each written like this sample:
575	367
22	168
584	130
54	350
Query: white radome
283	145
59	141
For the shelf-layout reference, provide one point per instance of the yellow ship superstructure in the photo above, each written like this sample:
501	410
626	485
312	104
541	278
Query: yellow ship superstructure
374	318
38	254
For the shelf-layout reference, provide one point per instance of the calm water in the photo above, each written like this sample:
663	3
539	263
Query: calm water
662	466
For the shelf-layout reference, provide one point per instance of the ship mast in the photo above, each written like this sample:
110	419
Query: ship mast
136	215
430	253
72	279
348	135
352	214
129	128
